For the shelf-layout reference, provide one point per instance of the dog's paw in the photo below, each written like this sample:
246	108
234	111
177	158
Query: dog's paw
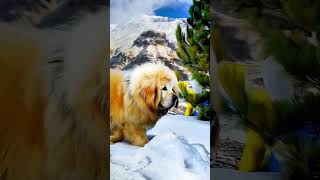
140	142
116	136
114	139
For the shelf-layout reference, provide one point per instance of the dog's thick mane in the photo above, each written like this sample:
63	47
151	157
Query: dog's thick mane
21	53
131	101
131	79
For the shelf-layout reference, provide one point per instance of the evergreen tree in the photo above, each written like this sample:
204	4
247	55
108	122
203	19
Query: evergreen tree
287	127
193	49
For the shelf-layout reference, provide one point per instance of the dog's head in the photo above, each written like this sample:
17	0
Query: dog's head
156	86
169	96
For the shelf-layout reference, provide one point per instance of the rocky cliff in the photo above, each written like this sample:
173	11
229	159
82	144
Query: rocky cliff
148	39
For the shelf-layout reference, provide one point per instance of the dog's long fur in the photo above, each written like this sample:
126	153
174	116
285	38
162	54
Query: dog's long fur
137	101
54	125
22	104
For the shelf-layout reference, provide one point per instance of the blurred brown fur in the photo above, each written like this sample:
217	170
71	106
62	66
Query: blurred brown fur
54	131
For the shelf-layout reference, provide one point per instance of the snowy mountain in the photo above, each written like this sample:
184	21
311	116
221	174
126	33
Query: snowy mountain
123	35
145	39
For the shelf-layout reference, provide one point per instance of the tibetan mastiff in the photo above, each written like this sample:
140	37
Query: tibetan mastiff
138	98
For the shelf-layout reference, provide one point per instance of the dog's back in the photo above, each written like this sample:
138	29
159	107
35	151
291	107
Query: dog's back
116	97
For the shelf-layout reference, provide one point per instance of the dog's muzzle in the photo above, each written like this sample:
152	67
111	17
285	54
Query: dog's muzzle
164	110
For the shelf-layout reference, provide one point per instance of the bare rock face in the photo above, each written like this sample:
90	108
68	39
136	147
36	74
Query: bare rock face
149	46
150	38
119	59
146	39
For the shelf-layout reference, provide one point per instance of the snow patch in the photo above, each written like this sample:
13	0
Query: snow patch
171	154
195	131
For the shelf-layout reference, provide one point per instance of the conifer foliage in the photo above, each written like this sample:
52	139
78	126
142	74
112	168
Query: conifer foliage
284	131
193	49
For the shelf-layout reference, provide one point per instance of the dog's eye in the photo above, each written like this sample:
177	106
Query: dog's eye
164	88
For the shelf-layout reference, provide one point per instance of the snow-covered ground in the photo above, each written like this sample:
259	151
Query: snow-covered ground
178	149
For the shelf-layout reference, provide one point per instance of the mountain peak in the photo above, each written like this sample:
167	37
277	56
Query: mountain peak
124	34
151	37
146	39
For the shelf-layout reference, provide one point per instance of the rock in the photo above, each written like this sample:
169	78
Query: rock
118	60
149	46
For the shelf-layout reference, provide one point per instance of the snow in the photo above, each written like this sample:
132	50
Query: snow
178	149
196	131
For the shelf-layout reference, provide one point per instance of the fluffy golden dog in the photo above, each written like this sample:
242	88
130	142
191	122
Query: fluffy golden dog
53	121
138	99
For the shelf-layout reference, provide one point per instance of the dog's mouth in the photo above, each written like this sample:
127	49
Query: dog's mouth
164	110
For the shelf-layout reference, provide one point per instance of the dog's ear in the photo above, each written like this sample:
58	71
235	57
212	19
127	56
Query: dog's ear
149	93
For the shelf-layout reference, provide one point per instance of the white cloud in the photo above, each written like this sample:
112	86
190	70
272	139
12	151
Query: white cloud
122	10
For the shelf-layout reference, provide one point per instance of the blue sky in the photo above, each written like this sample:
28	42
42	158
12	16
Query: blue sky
175	10
122	10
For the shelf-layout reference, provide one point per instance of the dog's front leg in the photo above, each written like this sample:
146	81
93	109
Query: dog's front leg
135	135
116	135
